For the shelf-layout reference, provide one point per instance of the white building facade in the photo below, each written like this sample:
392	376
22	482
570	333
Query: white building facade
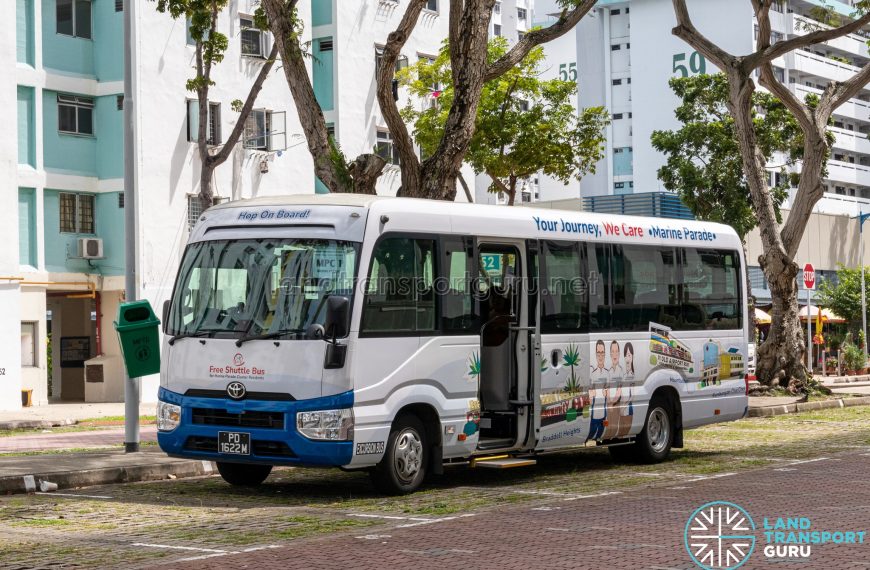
626	54
64	170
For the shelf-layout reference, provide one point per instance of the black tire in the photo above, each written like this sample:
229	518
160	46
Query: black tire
404	465
243	474
653	444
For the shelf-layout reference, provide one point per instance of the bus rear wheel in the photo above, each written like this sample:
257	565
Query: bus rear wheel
243	474
654	442
404	465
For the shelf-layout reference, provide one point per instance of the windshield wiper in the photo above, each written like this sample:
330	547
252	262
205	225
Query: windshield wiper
193	334
266	336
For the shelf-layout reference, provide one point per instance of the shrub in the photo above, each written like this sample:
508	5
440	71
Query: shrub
853	357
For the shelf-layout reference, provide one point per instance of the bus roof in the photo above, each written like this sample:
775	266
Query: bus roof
417	215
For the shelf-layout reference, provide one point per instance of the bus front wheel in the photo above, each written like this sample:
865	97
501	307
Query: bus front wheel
243	474
403	467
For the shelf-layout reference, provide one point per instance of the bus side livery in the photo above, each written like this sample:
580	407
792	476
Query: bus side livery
398	336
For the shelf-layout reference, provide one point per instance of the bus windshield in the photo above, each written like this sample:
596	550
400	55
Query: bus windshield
251	287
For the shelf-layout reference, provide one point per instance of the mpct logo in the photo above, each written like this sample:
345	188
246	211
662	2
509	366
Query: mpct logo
719	536
238	359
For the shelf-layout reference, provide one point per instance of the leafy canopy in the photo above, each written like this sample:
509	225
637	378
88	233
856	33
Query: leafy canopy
524	124
704	165
844	297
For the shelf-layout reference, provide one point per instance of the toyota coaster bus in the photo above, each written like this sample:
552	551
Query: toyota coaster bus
398	336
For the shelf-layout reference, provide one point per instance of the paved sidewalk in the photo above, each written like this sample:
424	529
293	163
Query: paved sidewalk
63	414
85	439
23	474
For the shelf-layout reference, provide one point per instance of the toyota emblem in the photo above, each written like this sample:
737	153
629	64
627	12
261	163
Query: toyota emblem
236	390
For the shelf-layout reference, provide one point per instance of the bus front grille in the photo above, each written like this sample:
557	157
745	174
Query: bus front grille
216	417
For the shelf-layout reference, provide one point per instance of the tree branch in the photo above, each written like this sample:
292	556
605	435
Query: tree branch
566	22
390	110
281	22
686	31
844	91
465	188
780	48
239	128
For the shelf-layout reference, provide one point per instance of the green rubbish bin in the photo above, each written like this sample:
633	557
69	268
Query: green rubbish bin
137	327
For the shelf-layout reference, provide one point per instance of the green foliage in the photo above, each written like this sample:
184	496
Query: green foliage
202	16
853	357
524	124
844	298
704	165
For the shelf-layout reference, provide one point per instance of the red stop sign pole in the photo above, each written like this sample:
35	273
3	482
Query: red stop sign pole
809	276
809	284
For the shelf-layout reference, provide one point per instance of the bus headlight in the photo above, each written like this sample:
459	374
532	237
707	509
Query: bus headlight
330	425
168	416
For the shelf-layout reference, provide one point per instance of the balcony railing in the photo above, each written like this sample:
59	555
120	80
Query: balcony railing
822	66
848	172
852	43
854	108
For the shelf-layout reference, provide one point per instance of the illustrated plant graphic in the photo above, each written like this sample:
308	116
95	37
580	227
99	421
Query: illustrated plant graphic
572	358
474	364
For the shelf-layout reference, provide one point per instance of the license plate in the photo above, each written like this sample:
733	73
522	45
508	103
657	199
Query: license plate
234	443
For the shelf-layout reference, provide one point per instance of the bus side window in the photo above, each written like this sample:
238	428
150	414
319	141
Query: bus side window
598	282
563	295
399	293
459	311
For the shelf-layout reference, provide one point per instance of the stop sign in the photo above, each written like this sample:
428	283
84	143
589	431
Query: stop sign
809	276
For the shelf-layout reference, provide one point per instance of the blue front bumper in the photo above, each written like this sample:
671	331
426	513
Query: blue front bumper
278	445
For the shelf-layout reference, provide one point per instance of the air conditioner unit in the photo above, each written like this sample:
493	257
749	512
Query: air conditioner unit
91	248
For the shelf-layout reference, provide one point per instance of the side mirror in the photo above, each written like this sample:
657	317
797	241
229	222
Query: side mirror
165	314
337	319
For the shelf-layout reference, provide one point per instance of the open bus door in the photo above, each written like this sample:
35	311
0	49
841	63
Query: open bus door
506	342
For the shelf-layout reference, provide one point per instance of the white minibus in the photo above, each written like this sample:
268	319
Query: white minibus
398	336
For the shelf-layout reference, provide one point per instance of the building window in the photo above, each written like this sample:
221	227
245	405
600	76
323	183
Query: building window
253	39
617	116
76	213
258	129
401	61
521	35
120	199
496	30
521	14
614	12
497	8
432	5
617	82
213	132
28	344
119	5
119	102
75	115
386	149
615	47
194	208
619	185
73	18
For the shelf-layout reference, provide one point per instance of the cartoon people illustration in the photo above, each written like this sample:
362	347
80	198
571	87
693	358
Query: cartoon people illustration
613	393
472	422
598	393
599	371
626	412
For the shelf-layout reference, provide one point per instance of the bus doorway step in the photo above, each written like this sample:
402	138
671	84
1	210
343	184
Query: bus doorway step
501	462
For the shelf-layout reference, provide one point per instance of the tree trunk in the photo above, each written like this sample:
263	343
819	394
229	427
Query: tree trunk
366	170
465	188
512	190
206	196
776	361
778	357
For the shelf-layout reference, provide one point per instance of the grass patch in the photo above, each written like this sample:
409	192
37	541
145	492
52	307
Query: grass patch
41	522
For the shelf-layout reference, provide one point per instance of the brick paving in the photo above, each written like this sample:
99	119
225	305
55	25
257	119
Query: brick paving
70	440
640	528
